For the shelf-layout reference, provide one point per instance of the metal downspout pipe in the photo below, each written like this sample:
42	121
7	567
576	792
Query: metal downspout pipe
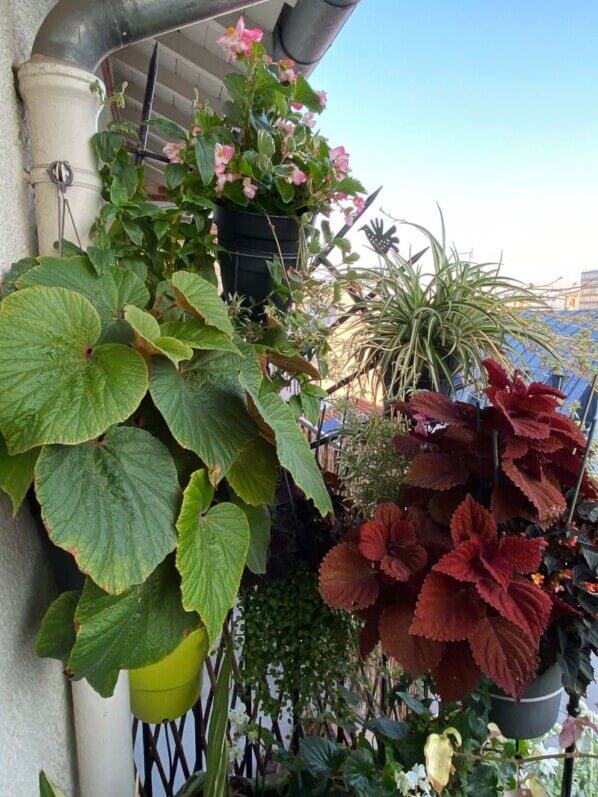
305	32
63	114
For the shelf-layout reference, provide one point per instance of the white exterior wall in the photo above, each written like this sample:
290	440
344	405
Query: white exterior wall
35	710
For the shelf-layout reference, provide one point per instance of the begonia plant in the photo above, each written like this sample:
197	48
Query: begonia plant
264	151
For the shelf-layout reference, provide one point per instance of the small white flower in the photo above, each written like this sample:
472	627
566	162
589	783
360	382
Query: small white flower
238	718
234	754
402	782
252	736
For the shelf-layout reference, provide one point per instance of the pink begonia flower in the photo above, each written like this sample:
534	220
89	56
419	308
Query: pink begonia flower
296	106
172	151
308	119
323	99
249	189
340	161
225	177
239	40
297	177
359	202
196	130
286	71
223	153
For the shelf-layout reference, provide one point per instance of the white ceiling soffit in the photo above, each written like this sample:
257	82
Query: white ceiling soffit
188	59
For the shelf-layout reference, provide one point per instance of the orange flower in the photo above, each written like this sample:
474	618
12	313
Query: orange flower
538	579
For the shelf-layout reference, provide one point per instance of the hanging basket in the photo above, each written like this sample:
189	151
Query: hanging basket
537	711
247	243
169	688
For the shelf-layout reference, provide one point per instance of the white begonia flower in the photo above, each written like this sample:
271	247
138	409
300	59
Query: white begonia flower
234	754
402	782
238	718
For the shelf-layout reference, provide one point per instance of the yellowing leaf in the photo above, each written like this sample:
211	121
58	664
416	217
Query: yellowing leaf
438	753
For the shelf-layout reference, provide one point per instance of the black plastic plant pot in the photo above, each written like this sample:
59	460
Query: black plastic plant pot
248	242
537	711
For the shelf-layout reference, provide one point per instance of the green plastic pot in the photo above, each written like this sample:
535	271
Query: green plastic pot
170	687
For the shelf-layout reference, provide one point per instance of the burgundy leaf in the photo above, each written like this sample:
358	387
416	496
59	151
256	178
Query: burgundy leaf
457	675
436	472
472	520
416	654
523	554
347	580
446	610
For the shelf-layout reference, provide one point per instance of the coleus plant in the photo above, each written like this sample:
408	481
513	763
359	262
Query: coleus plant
153	432
264	151
443	582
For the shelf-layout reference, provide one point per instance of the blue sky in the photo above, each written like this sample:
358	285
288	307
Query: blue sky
489	108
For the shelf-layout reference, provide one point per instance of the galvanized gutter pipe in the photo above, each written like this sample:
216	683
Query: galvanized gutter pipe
305	32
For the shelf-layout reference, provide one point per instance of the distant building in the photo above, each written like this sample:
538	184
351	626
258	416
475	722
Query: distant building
572	299
588	293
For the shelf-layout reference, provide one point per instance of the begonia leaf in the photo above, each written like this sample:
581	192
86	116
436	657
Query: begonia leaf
123	632
16	473
347	580
149	338
112	504
57	385
254	472
200	297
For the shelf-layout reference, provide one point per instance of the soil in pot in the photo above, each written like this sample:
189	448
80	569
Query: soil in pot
170	687
537	711
248	243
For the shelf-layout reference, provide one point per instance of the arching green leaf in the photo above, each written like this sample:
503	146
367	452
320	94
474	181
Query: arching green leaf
47	788
112	504
148	337
292	447
58	386
123	632
260	523
198	335
16	473
204	407
56	636
200	298
254	473
211	554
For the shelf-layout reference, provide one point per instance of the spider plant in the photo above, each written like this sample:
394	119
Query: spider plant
431	328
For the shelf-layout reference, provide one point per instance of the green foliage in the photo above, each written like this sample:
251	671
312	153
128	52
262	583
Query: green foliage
442	323
47	788
82	337
216	779
291	636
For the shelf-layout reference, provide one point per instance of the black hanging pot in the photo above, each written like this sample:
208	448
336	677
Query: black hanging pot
425	381
537	711
247	243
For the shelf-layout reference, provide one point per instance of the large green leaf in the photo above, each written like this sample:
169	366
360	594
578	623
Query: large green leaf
197	334
112	504
211	553
254	473
201	298
123	632
260	522
16	473
56	636
148	336
204	407
57	385
291	444
108	292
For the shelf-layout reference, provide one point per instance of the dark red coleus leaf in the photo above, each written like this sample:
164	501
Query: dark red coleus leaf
442	506
447	610
471	519
390	540
542	389
347	580
545	496
463	563
416	654
509	502
523	603
457	674
436	471
505	653
497	376
514	447
522	553
567	428
440	408
406	444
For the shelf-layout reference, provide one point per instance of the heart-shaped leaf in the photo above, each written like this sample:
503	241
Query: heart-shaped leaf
204	407
201	298
56	636
108	292
211	553
149	339
253	474
16	473
134	629
57	385
112	504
